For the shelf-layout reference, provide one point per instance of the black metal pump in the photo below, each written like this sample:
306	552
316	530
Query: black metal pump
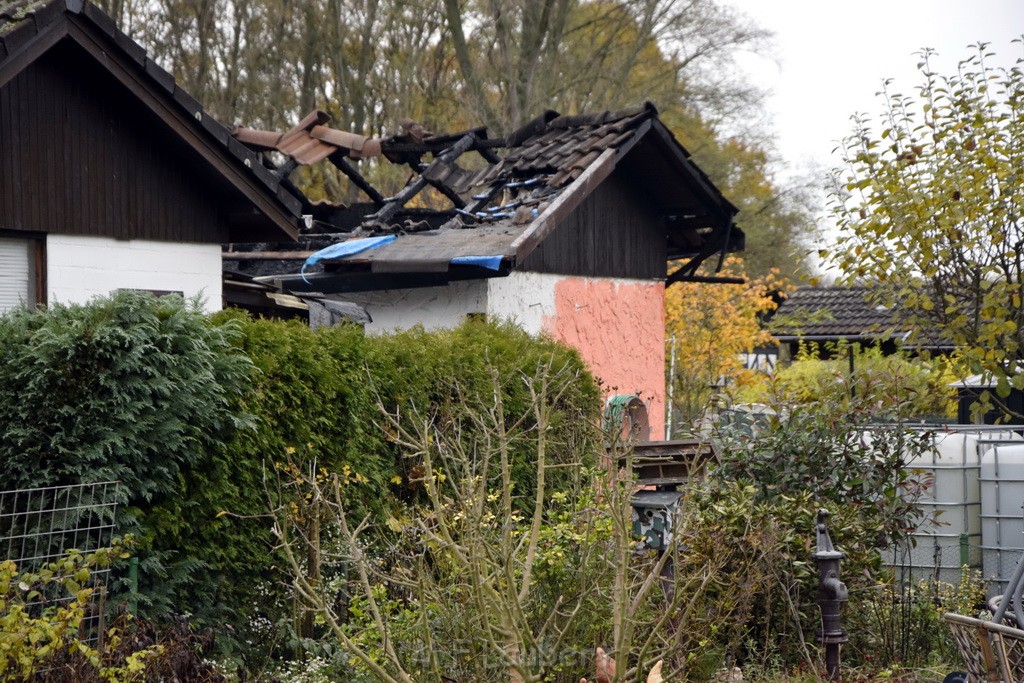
832	593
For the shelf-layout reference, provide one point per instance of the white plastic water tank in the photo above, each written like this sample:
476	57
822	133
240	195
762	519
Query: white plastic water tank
953	502
1002	517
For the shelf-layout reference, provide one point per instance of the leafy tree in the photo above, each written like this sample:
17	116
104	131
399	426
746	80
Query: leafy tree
572	55
929	212
709	327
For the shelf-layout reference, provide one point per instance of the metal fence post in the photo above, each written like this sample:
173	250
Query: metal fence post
133	586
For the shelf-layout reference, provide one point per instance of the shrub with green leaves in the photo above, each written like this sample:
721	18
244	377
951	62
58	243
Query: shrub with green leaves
193	414
130	388
40	637
901	624
896	384
436	373
849	457
319	399
479	580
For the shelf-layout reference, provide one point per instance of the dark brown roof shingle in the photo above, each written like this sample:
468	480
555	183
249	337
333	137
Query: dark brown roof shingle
834	313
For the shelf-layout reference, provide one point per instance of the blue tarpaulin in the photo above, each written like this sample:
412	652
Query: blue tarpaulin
343	249
491	262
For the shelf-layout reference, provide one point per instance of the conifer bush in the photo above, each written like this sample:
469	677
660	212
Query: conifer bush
129	388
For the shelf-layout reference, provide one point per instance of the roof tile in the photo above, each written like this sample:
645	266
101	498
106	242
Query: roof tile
217	129
186	100
241	152
18	12
131	48
832	312
46	12
265	175
585	161
20	33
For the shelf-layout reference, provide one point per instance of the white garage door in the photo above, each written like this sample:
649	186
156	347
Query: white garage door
17	273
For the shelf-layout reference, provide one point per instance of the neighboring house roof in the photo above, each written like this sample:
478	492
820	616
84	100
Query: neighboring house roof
520	190
29	29
831	313
835	313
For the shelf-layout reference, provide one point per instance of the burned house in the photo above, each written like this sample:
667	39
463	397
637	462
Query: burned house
114	177
567	227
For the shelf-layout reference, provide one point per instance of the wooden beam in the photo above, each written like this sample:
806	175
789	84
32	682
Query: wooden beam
449	155
704	279
338	158
335	283
564	203
266	255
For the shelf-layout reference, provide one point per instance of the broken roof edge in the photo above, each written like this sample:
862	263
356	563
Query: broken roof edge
47	23
564	203
629	134
328	283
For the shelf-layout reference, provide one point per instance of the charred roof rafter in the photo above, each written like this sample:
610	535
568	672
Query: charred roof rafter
533	179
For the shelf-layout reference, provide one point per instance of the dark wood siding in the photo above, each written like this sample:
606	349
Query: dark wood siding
613	233
80	155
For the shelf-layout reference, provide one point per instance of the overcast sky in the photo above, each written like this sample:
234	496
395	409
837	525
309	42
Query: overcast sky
830	59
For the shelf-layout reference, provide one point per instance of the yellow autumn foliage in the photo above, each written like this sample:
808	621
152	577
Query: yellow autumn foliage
709	327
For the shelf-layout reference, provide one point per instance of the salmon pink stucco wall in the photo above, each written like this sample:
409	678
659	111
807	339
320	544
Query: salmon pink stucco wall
618	326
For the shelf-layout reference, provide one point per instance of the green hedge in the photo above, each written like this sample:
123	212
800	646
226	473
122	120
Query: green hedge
192	413
128	388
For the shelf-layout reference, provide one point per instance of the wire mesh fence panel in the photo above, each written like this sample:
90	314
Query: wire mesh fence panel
38	526
934	558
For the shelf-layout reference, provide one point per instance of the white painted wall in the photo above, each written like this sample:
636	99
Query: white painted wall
526	299
433	307
79	268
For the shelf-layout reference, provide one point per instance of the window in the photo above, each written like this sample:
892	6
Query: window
20	272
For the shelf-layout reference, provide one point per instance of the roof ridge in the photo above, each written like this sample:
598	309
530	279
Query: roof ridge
642	112
37	16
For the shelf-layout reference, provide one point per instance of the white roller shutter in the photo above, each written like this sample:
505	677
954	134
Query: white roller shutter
17	276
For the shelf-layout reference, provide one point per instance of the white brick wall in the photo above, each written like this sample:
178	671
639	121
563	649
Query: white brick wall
79	268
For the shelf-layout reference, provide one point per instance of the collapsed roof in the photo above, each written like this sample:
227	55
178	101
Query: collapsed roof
505	196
